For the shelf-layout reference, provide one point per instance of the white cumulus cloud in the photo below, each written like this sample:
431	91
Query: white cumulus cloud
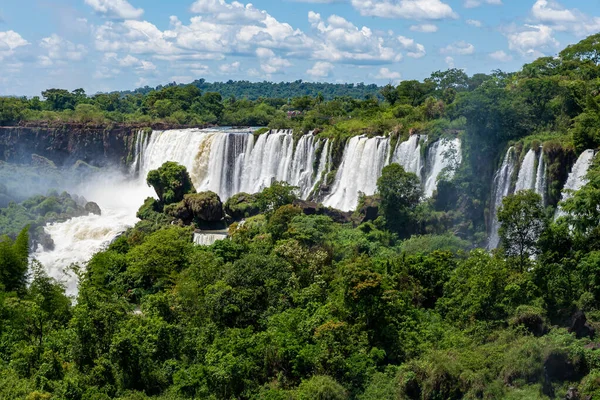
461	48
415	50
532	40
559	18
120	9
501	56
59	51
321	69
405	9
230	68
386	74
474	22
9	41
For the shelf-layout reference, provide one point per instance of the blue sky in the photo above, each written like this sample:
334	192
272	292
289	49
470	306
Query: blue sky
104	45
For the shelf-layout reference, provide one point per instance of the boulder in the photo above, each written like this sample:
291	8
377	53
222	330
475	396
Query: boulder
241	205
312	208
580	327
205	206
368	209
93	208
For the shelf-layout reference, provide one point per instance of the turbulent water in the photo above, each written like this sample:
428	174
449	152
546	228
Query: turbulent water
77	239
501	189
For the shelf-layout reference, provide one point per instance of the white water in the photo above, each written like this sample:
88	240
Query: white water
207	238
361	166
229	161
541	177
577	178
527	173
408	155
501	189
77	239
443	159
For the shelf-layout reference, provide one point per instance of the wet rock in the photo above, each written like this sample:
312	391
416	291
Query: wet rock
93	208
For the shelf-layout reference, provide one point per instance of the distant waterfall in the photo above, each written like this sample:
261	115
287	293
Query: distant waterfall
208	238
408	155
501	189
361	166
527	173
443	159
577	178
229	161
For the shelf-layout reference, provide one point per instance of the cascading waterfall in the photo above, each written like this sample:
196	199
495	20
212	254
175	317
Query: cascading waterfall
577	178
527	173
541	177
361	166
408	155
443	159
208	238
501	189
141	141
229	161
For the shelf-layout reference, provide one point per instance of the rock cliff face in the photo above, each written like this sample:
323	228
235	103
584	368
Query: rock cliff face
65	144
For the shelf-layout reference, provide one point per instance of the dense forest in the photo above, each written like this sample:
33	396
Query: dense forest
283	90
397	300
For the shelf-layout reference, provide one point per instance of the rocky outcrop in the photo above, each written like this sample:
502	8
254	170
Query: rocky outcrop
312	208
242	205
93	208
65	143
204	210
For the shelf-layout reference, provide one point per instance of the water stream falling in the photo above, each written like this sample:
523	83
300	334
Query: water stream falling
501	189
408	154
577	178
527	173
541	177
443	159
361	166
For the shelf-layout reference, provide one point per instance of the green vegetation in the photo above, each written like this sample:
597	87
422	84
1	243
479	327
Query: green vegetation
396	305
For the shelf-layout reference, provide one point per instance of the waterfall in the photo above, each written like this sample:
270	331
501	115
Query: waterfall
229	161
577	178
408	155
140	145
361	166
540	177
527	173
443	159
500	189
207	238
